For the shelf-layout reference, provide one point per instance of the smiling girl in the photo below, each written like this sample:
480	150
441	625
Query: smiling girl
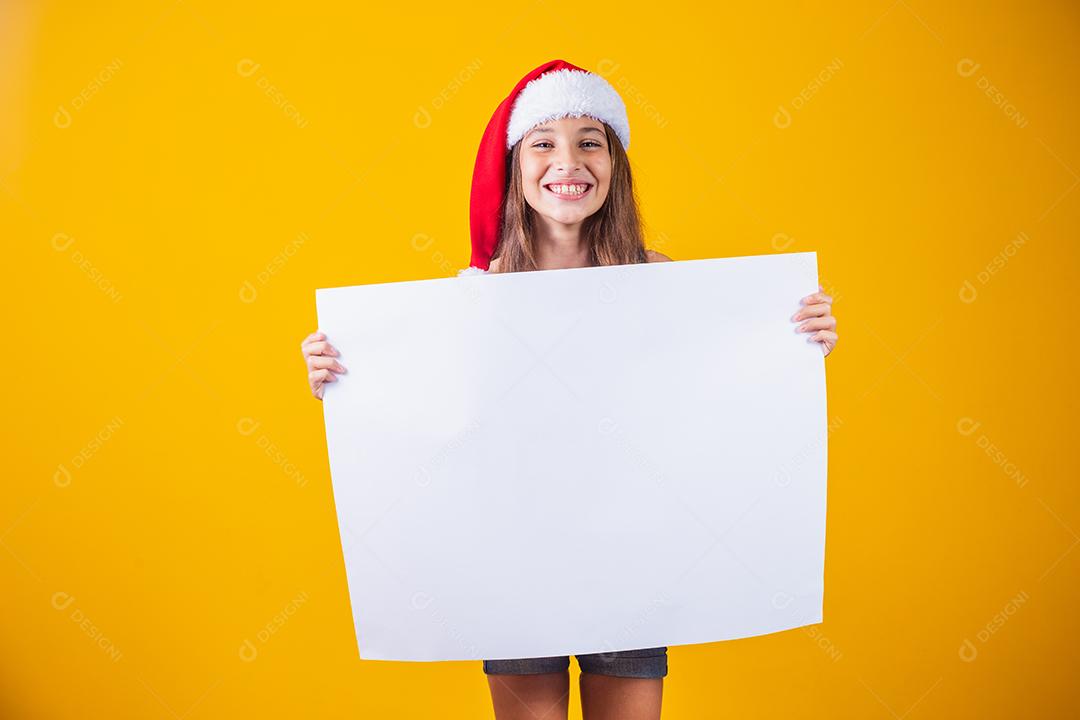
552	189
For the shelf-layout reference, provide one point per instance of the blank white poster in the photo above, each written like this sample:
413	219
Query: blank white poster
578	461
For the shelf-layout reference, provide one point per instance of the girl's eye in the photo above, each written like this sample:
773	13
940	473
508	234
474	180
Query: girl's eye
589	142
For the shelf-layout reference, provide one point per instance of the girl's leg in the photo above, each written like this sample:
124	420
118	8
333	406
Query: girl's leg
607	697
542	696
624	685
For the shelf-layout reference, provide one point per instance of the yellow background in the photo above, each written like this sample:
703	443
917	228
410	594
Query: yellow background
178	177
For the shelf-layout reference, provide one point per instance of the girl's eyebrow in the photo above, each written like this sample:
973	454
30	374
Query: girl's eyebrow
546	129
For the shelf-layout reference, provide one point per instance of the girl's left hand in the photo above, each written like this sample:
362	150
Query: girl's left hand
816	311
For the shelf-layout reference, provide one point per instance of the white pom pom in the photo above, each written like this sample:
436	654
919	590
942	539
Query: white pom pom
471	270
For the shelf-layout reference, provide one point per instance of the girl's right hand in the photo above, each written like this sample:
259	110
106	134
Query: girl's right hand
319	356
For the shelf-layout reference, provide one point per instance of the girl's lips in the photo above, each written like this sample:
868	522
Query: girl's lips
566	197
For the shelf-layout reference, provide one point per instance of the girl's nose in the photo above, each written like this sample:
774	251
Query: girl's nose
568	167
568	160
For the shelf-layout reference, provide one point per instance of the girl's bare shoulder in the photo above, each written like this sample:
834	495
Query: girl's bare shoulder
654	256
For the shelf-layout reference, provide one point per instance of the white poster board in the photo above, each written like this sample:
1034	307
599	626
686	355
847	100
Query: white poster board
578	461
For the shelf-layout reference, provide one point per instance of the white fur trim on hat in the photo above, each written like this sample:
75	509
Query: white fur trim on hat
567	93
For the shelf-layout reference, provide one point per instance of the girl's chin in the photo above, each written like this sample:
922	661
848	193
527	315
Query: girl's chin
564	220
567	216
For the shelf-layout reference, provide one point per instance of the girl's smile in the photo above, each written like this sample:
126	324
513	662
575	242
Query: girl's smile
569	191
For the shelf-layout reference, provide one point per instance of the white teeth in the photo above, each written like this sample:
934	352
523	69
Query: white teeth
568	189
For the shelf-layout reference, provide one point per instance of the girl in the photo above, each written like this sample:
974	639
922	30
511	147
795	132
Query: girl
568	202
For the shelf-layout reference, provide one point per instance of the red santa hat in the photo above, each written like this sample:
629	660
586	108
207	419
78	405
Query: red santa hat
554	90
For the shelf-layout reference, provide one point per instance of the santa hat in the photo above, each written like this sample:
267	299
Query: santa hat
554	90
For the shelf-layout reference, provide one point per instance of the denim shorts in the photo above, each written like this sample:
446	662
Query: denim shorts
645	663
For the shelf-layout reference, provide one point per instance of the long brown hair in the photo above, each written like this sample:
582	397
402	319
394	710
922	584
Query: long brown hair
613	233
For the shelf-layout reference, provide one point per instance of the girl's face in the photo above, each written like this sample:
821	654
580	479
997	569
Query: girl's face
566	169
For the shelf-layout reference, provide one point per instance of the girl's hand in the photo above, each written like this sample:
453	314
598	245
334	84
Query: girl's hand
319	356
816	311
